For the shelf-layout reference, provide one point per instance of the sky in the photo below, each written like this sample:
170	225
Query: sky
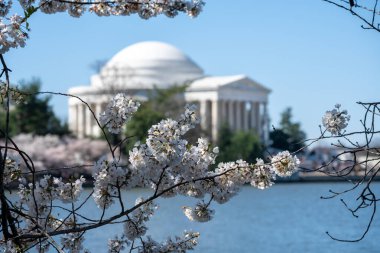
311	54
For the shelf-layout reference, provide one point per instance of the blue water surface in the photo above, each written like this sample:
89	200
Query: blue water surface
288	217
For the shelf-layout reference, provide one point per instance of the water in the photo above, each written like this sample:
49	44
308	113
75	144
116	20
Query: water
284	218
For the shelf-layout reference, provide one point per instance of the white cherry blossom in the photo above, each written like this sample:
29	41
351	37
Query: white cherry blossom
284	164
118	112
201	212
263	175
335	120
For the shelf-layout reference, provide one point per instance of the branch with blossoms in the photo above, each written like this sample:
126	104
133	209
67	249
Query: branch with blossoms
50	212
14	28
355	162
167	164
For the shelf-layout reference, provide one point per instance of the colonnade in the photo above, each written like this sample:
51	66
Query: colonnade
82	121
238	115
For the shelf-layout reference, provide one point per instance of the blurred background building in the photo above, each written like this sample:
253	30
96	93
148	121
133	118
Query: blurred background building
137	70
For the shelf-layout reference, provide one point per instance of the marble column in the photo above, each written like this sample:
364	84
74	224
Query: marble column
231	113
203	113
252	117
224	113
73	124
81	121
265	124
256	117
98	111
215	120
238	112
88	115
246	117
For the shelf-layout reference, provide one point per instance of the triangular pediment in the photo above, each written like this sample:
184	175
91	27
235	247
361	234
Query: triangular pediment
239	82
245	83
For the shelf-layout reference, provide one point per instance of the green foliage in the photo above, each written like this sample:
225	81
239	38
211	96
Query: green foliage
27	13
34	114
289	135
169	101
280	140
238	145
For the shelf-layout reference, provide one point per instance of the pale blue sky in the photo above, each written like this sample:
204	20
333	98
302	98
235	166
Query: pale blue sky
311	54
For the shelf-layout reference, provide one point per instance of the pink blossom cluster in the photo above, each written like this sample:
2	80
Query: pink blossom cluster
62	156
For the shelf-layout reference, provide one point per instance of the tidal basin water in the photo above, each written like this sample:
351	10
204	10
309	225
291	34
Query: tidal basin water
285	218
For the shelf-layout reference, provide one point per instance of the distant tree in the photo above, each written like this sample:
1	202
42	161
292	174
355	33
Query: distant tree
224	141
34	114
280	140
289	135
168	101
238	145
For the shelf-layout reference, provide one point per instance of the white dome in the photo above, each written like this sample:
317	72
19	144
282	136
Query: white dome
148	64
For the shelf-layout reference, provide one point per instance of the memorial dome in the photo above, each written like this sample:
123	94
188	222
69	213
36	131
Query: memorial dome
147	64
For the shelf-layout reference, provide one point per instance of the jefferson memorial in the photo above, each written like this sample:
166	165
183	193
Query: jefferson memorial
235	100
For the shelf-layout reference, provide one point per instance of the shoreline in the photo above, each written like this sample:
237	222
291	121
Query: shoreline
298	180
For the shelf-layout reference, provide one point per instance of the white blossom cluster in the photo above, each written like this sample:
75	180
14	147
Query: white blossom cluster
5	6
264	175
11	32
15	96
144	8
38	198
118	112
12	35
200	212
164	139
68	192
72	242
167	159
135	227
177	245
284	164
335	120
169	165
9	247
228	179
12	170
108	177
148	8
116	245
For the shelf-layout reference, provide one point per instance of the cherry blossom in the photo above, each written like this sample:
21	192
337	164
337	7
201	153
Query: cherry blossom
284	164
335	120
